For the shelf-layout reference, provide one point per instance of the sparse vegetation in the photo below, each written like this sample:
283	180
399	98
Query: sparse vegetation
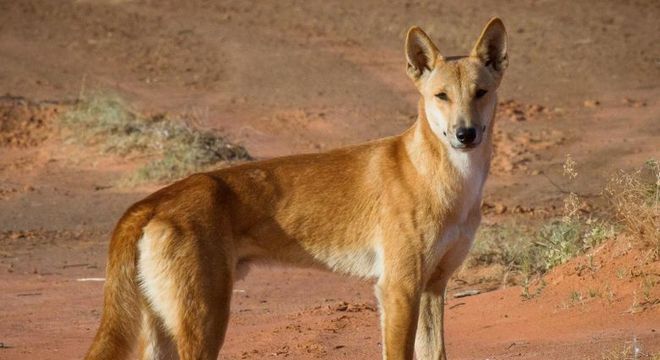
629	351
507	244
575	297
178	148
621	273
559	241
527	252
635	198
527	293
563	240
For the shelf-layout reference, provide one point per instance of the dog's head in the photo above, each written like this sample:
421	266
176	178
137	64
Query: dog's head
459	92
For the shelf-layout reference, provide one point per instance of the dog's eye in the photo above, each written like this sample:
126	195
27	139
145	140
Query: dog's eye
481	93
442	96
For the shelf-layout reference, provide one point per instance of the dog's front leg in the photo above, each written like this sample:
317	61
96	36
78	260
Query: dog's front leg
398	296
429	341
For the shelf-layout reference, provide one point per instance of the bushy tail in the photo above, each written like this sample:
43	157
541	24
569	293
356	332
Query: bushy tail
121	318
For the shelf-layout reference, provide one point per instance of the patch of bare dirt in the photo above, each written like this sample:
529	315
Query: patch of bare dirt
516	147
24	123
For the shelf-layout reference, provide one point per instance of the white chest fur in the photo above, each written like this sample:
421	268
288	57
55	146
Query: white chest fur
456	237
472	169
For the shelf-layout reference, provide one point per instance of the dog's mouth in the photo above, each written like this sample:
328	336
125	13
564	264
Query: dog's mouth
465	147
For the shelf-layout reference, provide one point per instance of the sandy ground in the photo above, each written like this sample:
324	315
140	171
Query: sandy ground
287	77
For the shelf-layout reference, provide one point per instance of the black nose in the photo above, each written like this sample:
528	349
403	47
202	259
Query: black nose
466	135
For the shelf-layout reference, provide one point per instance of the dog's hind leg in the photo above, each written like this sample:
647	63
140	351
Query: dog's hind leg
202	326
188	286
155	342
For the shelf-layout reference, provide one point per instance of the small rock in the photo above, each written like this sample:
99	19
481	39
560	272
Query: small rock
342	306
591	103
586	208
466	293
500	209
522	210
633	103
535	108
487	205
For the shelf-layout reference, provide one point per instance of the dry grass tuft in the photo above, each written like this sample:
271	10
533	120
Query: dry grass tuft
107	121
635	198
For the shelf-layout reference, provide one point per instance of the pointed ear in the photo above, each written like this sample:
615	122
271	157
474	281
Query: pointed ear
490	49
421	53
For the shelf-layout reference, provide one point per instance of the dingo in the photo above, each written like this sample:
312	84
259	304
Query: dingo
403	210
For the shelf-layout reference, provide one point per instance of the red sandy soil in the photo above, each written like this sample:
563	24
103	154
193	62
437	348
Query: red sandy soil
288	77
